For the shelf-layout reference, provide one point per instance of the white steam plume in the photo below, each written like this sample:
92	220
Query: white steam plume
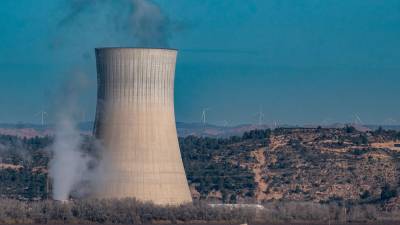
69	164
141	21
150	26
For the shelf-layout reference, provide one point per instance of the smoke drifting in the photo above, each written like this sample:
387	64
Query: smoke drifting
150	25
141	21
69	164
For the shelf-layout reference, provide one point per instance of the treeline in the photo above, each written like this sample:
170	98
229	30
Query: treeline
130	211
26	152
23	172
329	212
123	211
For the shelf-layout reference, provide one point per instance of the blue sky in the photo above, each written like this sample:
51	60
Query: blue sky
302	62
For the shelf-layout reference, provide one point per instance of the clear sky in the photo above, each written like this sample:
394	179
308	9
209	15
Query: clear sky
306	61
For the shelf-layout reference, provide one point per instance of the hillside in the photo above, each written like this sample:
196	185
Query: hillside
298	164
320	165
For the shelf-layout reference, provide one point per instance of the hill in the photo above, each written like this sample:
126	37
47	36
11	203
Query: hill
286	164
184	129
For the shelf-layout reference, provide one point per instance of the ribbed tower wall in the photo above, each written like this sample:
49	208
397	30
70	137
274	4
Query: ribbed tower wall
135	122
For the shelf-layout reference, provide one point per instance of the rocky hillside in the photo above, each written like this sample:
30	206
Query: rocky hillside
288	164
320	165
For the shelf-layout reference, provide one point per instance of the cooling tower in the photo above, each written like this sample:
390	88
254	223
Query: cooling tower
135	121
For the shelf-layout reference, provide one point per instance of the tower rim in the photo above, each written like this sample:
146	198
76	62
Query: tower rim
145	48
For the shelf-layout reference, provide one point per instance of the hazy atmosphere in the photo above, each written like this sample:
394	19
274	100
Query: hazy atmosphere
209	112
300	61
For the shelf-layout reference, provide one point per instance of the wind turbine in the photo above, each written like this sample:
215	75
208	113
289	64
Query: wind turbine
276	125
204	115
327	121
225	123
357	120
261	116
390	121
43	115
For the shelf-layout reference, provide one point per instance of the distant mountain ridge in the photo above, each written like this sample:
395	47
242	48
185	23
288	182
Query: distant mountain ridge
184	129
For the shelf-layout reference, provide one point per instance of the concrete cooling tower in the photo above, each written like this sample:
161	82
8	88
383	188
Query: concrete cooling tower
135	121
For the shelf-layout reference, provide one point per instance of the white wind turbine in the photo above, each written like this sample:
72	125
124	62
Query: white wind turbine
260	116
276	124
357	120
390	121
204	115
225	123
42	115
326	121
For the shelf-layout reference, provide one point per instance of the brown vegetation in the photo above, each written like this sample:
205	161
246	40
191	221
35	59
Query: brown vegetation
123	211
130	211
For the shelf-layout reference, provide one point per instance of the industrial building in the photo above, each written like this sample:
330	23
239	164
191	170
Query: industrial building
135	122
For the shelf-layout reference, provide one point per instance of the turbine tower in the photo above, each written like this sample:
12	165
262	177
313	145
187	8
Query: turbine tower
135	122
42	115
204	115
357	120
260	116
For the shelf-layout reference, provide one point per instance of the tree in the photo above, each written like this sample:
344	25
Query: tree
350	129
387	192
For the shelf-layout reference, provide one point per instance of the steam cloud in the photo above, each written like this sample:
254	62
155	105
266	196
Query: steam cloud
150	25
141	20
69	164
